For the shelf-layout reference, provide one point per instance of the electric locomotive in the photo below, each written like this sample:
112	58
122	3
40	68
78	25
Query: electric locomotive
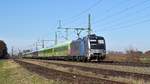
96	47
90	47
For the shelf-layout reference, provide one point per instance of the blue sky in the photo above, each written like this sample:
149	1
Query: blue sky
123	23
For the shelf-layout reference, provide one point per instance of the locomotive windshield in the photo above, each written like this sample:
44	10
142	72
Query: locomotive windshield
97	43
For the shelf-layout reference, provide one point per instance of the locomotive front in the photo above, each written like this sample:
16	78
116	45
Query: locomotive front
96	47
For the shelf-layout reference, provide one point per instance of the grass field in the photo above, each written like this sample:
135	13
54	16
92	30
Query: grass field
128	58
12	73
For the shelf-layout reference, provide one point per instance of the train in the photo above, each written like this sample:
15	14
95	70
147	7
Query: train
3	50
88	48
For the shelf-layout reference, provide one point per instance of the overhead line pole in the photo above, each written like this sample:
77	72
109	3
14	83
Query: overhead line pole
56	37
36	46
89	24
66	29
12	51
78	29
43	42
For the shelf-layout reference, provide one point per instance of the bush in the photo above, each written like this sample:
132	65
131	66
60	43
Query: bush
147	53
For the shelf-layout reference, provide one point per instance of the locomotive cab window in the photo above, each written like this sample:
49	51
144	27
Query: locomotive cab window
97	43
101	41
93	41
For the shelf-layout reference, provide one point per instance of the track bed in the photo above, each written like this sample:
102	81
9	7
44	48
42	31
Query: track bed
60	75
134	64
108	72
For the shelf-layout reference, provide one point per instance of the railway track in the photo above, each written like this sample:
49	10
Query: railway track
134	64
60	75
105	72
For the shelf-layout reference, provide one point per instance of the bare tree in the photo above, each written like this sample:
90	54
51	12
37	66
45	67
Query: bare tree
133	55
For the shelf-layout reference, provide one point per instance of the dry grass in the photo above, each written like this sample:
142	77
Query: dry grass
131	55
12	73
119	58
87	73
128	58
144	70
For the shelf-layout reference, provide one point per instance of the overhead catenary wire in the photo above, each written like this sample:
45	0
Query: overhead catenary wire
76	17
126	26
117	20
114	6
120	12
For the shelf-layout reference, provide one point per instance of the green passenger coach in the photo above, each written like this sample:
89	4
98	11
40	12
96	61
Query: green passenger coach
57	50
